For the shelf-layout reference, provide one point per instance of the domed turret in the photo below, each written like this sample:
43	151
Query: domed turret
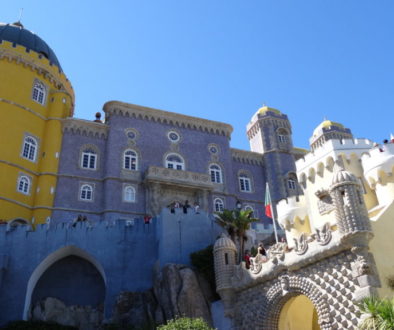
225	252
328	130
35	97
17	34
350	210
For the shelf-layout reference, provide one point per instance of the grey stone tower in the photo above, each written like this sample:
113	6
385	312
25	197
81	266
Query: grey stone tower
351	212
225	253
269	133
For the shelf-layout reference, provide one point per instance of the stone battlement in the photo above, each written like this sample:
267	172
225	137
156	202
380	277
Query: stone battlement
378	160
325	156
291	208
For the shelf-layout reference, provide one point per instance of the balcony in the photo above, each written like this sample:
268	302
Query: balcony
173	177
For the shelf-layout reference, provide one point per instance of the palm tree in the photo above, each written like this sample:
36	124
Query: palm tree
377	314
236	222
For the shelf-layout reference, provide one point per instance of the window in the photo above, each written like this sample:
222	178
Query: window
24	184
175	161
216	173
86	193
249	208
130	160
39	92
89	159
282	138
218	205
244	183
173	136
29	148
129	194
291	184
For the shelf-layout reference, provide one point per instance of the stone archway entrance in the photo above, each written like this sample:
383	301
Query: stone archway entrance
298	313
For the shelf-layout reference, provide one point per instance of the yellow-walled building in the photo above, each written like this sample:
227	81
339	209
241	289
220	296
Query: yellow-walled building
35	96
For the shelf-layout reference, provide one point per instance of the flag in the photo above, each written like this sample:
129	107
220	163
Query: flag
268	207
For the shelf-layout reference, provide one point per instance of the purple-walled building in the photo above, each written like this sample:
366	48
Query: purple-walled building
141	160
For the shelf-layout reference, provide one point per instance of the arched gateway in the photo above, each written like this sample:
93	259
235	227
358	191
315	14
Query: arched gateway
322	275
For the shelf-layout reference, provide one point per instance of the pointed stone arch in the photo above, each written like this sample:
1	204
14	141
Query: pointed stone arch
59	254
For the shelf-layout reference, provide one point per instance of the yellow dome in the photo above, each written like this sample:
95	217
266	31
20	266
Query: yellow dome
326	124
263	110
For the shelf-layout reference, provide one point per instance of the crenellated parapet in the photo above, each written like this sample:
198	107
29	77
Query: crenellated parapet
378	163
332	152
36	62
166	117
290	210
247	157
85	127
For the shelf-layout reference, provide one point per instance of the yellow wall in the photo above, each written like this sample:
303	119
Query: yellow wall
20	115
382	247
298	313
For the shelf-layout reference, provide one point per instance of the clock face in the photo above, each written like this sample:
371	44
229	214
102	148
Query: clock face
173	136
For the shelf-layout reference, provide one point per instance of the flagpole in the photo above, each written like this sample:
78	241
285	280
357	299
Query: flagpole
273	211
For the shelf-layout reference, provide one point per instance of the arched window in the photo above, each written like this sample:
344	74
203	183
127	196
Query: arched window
249	208
86	192
175	161
89	159
129	194
218	205
244	183
130	160
283	135
39	92
24	185
292	181
216	173
29	148
291	184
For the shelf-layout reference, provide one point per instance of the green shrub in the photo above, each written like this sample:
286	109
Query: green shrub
36	325
185	323
202	261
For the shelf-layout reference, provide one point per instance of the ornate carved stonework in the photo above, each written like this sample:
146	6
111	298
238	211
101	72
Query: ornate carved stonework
301	244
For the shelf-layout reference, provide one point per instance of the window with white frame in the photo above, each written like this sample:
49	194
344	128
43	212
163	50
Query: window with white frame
218	205
86	192
244	183
175	161
29	150
130	160
216	173
24	183
89	159
129	194
39	92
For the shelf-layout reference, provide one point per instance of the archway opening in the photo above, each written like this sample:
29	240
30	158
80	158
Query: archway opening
298	313
71	285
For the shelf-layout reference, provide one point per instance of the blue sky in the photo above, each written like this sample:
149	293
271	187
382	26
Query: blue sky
222	59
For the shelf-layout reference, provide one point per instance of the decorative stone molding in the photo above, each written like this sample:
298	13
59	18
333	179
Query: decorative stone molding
177	177
323	235
247	157
166	117
84	127
301	244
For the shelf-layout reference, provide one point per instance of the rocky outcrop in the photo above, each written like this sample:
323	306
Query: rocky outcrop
179	293
53	310
136	308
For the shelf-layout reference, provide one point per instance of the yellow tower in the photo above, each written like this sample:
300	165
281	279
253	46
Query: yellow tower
35	96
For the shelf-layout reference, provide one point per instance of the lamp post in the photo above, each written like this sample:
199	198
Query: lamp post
238	206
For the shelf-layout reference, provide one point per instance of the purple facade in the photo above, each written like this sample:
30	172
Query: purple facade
157	140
